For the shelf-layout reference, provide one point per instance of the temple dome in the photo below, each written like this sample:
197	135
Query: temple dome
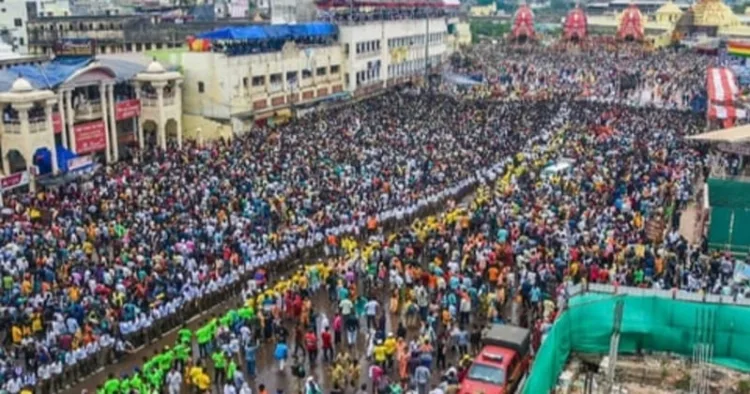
713	13
669	8
155	68
21	85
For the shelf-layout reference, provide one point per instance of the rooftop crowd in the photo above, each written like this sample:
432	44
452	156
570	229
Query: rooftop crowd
113	260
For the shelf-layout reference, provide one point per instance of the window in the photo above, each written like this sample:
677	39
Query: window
346	48
291	76
321	71
244	82
275	78
21	41
201	88
3	10
259	80
17	22
306	74
335	69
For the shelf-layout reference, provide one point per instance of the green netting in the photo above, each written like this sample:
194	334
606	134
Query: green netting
727	193
648	323
729	229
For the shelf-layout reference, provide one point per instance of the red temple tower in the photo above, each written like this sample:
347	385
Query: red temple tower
631	24
523	23
574	27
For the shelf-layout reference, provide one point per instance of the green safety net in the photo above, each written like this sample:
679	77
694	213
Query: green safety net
729	230
730	215
648	323
728	193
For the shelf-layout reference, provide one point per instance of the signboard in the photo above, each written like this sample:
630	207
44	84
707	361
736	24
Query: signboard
79	162
90	137
75	47
57	123
127	109
13	181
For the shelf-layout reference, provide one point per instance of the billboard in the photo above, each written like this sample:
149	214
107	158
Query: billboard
90	137
75	47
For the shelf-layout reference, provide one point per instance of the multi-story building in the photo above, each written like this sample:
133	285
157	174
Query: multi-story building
65	114
386	51
237	84
117	33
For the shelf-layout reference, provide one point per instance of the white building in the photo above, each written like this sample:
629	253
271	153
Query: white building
13	17
381	52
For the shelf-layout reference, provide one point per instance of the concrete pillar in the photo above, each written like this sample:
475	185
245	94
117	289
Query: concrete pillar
70	117
138	126
51	131
61	110
177	110
162	133
113	123
103	95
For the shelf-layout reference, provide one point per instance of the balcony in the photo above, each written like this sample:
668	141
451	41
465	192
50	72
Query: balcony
153	101
90	110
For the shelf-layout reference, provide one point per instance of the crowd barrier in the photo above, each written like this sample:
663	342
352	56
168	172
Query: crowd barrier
652	320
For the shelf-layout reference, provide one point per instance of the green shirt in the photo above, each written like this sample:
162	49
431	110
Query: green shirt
231	370
219	361
137	383
112	386
204	334
185	335
125	386
247	313
182	352
150	364
165	360
155	378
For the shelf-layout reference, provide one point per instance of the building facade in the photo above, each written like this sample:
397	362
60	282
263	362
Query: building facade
116	33
91	112
242	89
386	51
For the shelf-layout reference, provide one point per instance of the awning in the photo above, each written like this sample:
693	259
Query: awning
732	134
722	86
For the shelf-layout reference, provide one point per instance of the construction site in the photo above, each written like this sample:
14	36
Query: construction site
649	374
645	343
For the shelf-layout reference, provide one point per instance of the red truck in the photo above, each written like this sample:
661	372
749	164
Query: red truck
502	365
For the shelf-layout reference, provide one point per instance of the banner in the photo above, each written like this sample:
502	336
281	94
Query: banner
75	47
79	162
90	137
127	109
13	181
57	124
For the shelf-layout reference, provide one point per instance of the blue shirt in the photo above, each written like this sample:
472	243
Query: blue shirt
250	352
281	352
536	294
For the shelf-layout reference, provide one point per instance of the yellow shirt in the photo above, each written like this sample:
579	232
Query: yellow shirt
194	372
203	381
379	352
17	334
390	346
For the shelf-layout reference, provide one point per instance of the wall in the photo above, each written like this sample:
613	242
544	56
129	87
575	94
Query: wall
209	130
242	85
398	43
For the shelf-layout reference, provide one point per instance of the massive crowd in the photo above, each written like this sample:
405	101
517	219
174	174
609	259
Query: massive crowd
624	73
577	169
